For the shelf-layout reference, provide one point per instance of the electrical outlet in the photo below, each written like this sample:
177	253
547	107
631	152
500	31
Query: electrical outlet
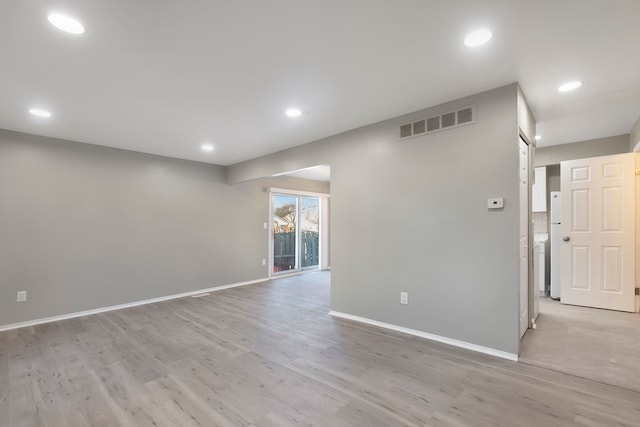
495	203
22	296
264	261
265	226
404	298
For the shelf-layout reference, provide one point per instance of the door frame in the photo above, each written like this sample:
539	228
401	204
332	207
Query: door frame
530	284
323	262
534	293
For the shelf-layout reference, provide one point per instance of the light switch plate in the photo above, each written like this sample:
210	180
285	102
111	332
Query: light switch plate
21	296
495	203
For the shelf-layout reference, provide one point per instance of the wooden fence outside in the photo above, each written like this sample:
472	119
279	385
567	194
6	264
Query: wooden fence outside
284	247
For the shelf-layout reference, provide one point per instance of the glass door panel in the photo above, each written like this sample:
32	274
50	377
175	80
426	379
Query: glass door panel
285	228
309	231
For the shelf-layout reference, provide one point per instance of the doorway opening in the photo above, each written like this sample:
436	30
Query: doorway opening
587	325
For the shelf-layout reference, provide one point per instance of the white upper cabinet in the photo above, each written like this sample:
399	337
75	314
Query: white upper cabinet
539	190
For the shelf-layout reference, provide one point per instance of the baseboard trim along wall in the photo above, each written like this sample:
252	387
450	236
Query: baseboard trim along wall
432	337
127	305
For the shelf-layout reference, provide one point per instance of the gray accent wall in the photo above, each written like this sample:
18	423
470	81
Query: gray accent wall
581	150
84	227
411	216
526	120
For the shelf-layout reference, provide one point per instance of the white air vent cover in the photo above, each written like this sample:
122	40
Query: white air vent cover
465	115
405	131
419	127
433	124
449	120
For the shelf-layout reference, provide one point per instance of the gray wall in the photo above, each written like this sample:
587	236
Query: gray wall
582	150
553	180
526	120
83	226
412	216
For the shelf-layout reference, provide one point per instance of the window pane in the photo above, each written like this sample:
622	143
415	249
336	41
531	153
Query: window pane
309	230
285	210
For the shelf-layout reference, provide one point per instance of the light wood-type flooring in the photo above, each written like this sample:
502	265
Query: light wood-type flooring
602	345
270	355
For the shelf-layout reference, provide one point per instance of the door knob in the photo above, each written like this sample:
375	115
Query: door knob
566	238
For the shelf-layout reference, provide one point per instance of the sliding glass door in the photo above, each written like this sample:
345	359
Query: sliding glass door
296	231
309	231
285	230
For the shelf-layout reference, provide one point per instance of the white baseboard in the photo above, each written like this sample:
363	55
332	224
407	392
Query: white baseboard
433	337
296	273
121	306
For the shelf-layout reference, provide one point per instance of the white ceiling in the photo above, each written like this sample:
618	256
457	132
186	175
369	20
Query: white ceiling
163	77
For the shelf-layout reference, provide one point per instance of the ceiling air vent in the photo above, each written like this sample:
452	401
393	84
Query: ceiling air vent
446	121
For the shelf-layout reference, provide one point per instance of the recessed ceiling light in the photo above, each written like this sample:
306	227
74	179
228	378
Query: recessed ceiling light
477	38
569	86
66	23
293	112
207	147
538	137
39	113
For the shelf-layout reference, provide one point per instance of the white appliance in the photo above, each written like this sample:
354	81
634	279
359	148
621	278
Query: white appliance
538	267
556	242
540	240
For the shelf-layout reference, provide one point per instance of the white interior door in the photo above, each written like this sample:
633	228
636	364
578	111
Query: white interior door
598	229
524	235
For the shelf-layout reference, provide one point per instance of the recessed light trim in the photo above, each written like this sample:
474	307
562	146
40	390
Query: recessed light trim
538	137
569	86
207	148
66	23
293	112
38	112
477	38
